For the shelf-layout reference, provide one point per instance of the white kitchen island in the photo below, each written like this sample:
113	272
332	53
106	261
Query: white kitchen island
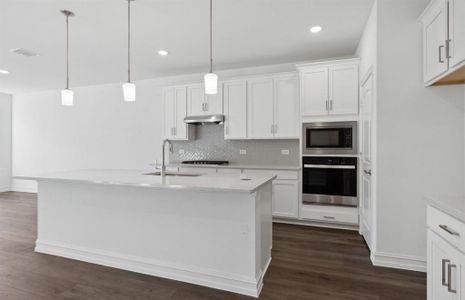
213	230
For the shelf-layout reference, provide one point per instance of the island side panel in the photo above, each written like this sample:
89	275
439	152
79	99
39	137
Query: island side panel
205	238
264	229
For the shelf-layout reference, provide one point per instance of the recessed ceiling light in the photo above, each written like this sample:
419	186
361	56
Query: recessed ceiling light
163	52
4	72
316	29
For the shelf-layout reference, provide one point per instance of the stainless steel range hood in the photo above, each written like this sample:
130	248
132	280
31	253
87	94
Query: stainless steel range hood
203	120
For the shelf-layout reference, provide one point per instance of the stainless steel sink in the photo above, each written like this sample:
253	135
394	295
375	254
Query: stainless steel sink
158	173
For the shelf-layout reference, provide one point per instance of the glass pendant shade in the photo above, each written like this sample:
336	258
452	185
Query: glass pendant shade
211	83
67	97
129	91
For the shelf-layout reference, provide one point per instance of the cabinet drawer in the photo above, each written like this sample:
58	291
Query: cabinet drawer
282	175
447	227
330	214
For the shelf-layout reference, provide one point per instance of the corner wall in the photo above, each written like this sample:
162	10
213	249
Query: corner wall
5	142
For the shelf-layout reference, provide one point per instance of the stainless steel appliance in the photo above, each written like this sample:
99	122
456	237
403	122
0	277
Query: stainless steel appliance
332	138
329	180
204	120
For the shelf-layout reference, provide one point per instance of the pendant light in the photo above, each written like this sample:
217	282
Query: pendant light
129	88
67	95
211	79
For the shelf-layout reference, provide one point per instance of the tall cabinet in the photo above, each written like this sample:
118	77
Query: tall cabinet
175	110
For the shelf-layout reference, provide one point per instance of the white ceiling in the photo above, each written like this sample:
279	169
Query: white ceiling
246	33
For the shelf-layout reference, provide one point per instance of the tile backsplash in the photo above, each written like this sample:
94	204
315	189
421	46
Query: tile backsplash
211	145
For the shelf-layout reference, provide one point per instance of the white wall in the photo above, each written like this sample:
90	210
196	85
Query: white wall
420	134
5	142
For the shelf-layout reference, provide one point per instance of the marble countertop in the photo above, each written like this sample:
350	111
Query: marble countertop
237	166
451	205
138	178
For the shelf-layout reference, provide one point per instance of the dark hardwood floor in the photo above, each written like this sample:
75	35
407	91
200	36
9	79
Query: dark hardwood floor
308	263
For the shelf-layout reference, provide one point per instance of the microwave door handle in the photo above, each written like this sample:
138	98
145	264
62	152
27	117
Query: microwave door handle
329	167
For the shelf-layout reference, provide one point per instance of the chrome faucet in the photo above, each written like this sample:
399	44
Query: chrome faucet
163	165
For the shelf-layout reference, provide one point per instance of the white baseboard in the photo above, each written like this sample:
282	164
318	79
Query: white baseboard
315	224
23	189
4	189
399	261
204	277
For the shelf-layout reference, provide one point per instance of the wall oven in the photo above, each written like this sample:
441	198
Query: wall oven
331	138
329	180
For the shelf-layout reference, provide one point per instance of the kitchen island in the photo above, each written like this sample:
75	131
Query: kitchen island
212	230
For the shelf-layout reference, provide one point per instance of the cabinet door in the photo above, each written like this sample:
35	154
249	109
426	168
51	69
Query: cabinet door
260	108
195	100
235	109
435	62
445	269
286	106
214	103
456	32
343	89
285	198
180	95
314	92
168	112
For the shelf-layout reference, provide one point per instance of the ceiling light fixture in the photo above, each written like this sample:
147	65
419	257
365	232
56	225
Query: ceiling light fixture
4	72
211	79
316	29
67	95
129	88
163	52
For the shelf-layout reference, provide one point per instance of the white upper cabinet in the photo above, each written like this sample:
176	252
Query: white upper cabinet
329	88
443	30
175	110
260	107
434	41
286	106
235	109
273	107
456	32
201	104
314	84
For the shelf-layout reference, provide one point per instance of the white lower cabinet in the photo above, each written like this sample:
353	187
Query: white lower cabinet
445	256
330	214
285	198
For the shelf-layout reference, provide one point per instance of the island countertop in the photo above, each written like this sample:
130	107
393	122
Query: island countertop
138	178
451	205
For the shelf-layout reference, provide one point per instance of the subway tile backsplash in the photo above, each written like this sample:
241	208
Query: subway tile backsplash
211	145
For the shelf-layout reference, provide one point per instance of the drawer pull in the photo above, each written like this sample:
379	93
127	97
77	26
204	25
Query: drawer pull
444	281
449	276
329	218
448	230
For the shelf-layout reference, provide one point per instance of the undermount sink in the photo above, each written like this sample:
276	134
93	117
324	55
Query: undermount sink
158	173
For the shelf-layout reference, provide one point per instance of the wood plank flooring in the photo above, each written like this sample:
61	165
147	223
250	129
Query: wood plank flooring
308	263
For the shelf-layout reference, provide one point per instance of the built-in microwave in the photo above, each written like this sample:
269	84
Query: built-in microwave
329	138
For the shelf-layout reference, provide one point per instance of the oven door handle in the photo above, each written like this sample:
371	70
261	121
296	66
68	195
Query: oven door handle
329	167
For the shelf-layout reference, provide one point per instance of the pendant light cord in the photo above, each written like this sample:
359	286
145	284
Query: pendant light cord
129	40
67	52
211	36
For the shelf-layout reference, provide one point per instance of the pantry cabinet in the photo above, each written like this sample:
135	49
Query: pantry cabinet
175	110
235	109
329	88
273	107
198	103
443	30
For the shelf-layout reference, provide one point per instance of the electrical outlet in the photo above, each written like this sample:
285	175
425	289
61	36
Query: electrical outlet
181	151
242	152
285	152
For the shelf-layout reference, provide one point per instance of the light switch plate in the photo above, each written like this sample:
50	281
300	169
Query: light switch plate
285	152
242	152
181	151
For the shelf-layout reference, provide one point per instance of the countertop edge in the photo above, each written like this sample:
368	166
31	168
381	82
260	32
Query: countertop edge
445	208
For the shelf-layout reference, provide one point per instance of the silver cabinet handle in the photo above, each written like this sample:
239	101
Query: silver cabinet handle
440	54
203	106
449	276
368	172
329	218
329	167
444	262
449	230
206	106
448	48
326	103
331	105
275	128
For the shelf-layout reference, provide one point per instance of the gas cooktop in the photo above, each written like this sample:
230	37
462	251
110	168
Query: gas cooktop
206	162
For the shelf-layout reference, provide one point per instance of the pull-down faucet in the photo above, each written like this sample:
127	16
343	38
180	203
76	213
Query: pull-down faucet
163	165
